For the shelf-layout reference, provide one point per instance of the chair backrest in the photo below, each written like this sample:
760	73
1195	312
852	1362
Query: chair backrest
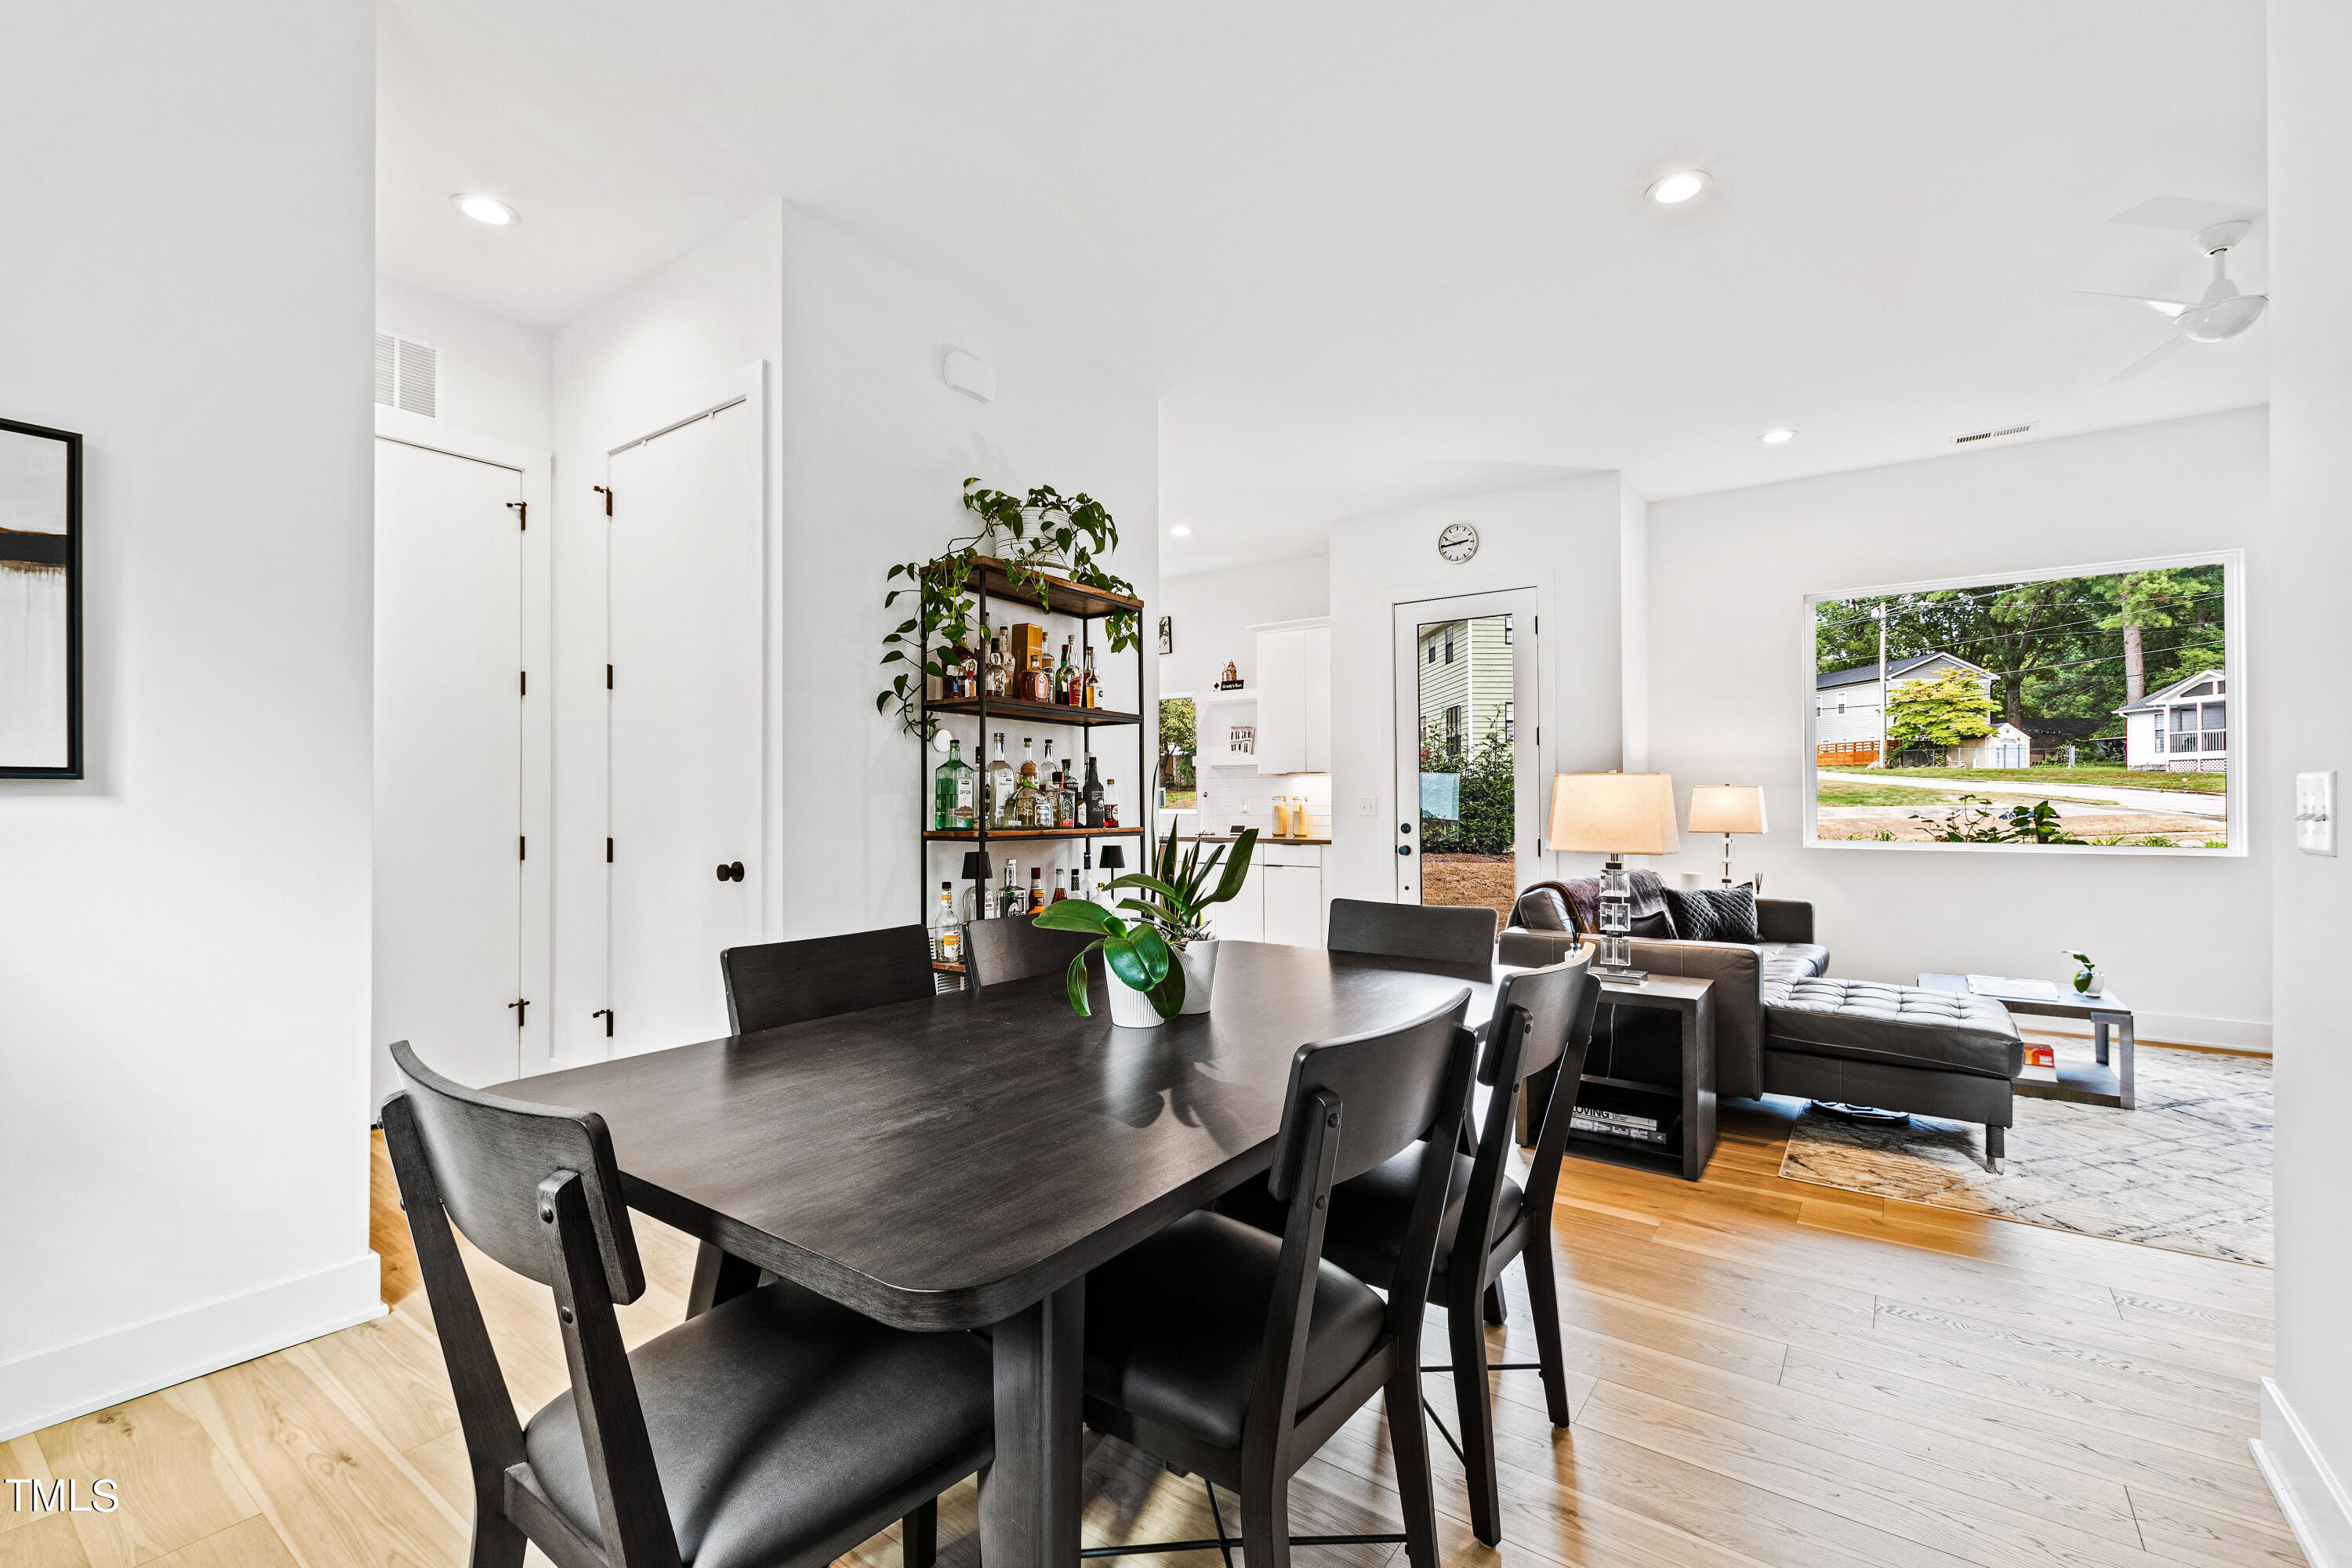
1542	1024
537	1189
779	982
1432	931
998	951
1353	1104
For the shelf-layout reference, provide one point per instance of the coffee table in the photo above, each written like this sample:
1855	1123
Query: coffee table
2098	1082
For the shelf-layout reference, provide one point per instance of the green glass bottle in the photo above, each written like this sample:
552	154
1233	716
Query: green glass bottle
953	790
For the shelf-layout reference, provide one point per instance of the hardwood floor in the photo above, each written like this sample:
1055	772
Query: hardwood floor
1765	1373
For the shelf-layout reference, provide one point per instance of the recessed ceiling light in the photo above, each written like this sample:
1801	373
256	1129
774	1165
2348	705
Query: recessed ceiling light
1777	437
484	209
1180	530
1681	186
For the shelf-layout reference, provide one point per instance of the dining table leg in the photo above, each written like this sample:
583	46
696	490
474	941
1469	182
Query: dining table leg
719	1276
1029	1493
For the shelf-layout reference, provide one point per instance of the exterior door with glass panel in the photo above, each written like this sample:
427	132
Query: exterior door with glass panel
1466	826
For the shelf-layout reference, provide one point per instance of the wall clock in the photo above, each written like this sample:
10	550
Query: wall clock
1456	543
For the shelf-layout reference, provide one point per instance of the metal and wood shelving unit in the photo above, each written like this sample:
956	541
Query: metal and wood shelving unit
992	583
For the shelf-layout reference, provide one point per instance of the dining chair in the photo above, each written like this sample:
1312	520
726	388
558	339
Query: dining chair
1542	1019
1016	947
779	982
1432	931
1231	1353
775	1431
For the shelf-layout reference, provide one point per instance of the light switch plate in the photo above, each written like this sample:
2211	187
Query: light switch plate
1368	805
2314	813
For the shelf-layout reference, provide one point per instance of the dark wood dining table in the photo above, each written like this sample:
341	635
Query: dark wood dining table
961	1161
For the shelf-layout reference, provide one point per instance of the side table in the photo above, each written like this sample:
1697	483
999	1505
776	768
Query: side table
2101	1083
1691	1102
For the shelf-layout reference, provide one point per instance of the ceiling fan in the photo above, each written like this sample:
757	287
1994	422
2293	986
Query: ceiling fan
2220	315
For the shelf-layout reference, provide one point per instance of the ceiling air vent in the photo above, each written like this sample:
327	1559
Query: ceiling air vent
1973	437
407	375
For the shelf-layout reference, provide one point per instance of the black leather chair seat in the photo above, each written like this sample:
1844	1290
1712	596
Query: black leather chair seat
765	1413
1174	1327
1901	1026
1364	1231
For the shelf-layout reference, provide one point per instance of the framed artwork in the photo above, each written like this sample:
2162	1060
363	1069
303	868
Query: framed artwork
40	602
1167	634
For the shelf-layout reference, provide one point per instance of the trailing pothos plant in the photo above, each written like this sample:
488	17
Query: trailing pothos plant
1024	532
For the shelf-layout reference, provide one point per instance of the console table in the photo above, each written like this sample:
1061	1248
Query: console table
2099	1082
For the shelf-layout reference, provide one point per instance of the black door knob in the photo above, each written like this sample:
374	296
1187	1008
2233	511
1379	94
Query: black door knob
731	872
1404	848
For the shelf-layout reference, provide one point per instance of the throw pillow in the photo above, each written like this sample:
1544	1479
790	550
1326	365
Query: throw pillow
1542	908
1712	914
1659	927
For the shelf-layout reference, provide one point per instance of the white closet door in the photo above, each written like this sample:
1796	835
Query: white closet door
686	735
449	762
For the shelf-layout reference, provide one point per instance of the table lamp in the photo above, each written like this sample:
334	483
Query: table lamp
975	871
1614	815
1728	809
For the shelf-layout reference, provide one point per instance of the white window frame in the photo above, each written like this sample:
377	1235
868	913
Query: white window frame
2233	594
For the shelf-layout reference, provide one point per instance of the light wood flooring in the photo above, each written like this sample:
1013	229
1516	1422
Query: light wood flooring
1765	1373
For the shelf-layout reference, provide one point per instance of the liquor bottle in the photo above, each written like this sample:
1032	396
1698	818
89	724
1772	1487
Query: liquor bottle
1089	695
952	791
946	932
1040	677
1036	888
1008	893
1111	803
1065	799
1064	675
1089	884
1061	892
1092	817
966	674
1000	667
997	787
1028	807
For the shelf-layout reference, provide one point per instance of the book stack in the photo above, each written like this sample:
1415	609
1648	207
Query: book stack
1617	1124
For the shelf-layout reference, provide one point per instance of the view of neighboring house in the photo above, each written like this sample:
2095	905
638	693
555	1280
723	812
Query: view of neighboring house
1465	680
2183	729
1847	704
2068	740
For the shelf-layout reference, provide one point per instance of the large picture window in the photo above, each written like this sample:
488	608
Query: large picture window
2082	710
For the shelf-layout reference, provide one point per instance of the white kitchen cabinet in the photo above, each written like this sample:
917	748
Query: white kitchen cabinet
1242	918
1293	905
1293	700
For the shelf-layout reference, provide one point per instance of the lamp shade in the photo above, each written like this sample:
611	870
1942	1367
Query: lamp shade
1114	858
1727	808
1614	813
975	866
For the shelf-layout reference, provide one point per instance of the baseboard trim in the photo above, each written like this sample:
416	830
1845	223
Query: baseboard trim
44	1387
2316	1507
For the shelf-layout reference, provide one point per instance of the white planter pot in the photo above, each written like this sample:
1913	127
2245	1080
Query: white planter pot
2098	984
1131	1008
1200	962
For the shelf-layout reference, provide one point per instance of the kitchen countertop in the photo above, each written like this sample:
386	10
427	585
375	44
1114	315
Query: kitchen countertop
1262	838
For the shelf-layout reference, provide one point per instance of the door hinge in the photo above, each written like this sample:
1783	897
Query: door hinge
601	491
523	848
522	683
608	677
606	1013
522	514
608	852
1538	620
521	1011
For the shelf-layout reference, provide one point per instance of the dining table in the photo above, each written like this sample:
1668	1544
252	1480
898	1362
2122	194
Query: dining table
960	1162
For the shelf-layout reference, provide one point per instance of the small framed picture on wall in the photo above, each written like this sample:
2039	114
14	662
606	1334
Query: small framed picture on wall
40	602
1167	634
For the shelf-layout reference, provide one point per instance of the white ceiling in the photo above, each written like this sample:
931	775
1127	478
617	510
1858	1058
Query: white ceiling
1371	254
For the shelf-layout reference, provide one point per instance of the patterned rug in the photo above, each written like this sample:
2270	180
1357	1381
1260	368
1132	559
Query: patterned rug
2188	1170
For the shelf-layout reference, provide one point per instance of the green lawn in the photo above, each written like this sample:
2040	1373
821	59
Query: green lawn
1839	792
2111	778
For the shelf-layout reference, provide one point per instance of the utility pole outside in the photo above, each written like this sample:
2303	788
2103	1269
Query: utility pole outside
1878	613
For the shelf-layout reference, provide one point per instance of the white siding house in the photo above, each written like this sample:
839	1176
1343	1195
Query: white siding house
2183	729
1846	705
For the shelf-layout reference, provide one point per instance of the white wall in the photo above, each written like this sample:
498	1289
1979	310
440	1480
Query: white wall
875	450
1214	610
2306	1442
497	376
1728	573
1564	539
183	938
704	316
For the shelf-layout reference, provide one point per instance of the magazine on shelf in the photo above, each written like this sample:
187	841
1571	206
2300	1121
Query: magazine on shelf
1618	1118
2002	988
1580	1122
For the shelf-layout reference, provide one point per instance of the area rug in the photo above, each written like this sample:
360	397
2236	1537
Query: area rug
2188	1170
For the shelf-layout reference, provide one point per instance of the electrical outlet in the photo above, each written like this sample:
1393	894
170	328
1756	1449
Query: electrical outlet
2314	813
1368	805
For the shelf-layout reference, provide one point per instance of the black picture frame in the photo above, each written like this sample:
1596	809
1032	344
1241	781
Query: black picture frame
1167	634
35	549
